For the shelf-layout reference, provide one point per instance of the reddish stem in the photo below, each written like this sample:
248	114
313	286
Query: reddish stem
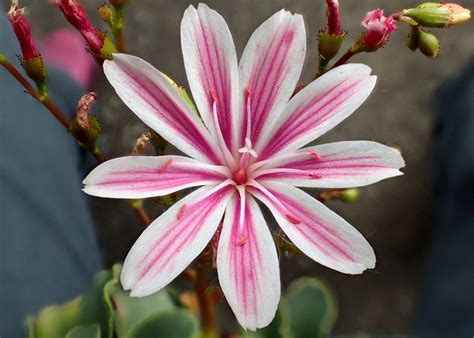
208	315
45	101
344	58
58	114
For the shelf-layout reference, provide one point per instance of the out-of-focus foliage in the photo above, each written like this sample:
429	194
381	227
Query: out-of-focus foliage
107	311
307	310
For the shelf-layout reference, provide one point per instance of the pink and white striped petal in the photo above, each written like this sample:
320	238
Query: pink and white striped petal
247	264
211	66
173	241
317	231
334	165
149	176
319	107
158	104
270	67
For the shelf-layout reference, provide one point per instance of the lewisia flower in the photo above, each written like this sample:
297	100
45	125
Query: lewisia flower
247	148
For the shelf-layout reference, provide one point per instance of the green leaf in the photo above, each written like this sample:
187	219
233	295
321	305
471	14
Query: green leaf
57	320
125	311
90	331
175	324
311	308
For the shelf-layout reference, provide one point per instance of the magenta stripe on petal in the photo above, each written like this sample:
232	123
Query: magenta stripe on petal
170	113
149	176
313	113
315	230
334	165
178	234
211	67
172	241
158	104
270	67
247	263
317	108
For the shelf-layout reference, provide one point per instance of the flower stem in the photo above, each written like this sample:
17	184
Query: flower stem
322	65
117	29
344	58
44	100
206	305
137	206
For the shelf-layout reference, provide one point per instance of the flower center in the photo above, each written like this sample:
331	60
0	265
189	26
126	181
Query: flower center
241	174
240	177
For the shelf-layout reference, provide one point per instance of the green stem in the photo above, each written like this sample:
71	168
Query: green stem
117	29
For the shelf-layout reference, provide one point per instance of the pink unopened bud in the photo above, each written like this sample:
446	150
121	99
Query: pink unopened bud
76	15
334	17
378	29
22	29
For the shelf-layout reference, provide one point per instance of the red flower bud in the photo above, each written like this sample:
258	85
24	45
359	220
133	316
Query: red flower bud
334	18
22	29
76	15
378	29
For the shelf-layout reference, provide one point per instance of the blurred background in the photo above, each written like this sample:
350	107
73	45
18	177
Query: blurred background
394	215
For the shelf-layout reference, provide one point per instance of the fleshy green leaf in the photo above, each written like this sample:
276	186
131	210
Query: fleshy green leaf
125	311
175	324
57	320
90	331
311	308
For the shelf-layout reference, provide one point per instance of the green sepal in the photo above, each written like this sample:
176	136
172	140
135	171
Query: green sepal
182	92
108	49
329	44
87	137
38	72
429	14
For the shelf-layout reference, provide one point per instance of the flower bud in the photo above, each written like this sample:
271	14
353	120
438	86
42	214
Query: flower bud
85	128
428	44
31	60
432	14
349	195
334	17
106	15
377	31
99	44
